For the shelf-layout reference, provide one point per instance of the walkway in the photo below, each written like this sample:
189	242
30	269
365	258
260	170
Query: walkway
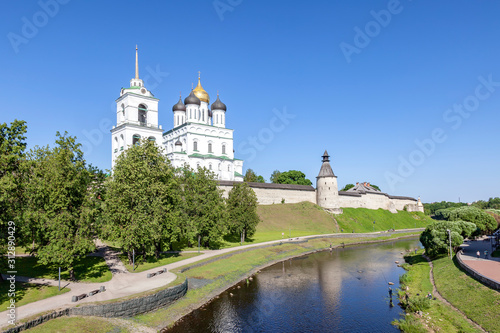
488	267
124	283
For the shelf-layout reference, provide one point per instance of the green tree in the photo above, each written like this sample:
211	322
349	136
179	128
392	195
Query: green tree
12	151
293	177
55	196
485	223
435	236
204	208
142	201
274	176
375	187
242	208
347	187
252	177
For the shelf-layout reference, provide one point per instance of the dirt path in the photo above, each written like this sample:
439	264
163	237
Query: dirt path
442	299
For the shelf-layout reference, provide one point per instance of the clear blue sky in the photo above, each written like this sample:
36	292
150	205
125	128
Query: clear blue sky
366	97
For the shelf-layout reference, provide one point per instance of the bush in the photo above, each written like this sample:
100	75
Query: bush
417	303
410	324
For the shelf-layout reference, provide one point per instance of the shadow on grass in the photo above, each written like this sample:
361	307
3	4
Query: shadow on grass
237	239
415	259
86	268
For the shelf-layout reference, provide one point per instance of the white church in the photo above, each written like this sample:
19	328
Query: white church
199	136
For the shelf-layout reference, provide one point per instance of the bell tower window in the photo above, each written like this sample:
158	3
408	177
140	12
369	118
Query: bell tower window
143	119
223	149
135	139
195	145
210	148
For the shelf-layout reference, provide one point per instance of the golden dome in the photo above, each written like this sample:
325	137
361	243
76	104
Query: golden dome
200	92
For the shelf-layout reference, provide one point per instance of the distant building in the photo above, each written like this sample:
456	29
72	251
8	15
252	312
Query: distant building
199	136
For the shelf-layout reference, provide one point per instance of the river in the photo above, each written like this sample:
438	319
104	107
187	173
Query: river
345	290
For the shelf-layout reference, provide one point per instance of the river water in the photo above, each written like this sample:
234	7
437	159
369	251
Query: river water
345	290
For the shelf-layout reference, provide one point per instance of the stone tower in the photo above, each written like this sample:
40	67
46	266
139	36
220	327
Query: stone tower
327	192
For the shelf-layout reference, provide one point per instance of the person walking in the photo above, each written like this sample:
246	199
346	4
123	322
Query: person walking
478	254
485	253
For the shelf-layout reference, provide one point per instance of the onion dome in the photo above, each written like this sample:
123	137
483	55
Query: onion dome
200	92
218	105
192	99
179	106
178	143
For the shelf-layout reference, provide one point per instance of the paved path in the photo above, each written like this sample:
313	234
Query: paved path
124	283
490	266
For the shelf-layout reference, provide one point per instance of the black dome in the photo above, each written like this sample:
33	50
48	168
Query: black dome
218	105
179	106
192	99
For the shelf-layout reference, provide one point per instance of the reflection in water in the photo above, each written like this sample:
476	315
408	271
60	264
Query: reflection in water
344	290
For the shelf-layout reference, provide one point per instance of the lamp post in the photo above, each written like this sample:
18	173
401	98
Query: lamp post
449	238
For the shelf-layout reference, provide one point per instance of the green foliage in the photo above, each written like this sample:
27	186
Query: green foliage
142	200
293	177
417	303
435	237
55	202
12	146
242	209
347	187
410	324
252	177
204	210
274	176
492	203
431	208
375	187
485	222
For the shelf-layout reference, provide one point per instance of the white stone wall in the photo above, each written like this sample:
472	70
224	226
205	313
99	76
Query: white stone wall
266	196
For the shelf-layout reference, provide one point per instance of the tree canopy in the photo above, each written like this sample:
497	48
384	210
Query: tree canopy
252	177
435	236
274	176
55	199
142	200
347	187
485	223
242	209
293	177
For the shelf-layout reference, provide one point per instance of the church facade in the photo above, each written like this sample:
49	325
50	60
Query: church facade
198	138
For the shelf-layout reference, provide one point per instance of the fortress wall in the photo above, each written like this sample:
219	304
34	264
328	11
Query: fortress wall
269	196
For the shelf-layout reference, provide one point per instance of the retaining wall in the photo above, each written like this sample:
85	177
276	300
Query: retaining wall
126	308
476	275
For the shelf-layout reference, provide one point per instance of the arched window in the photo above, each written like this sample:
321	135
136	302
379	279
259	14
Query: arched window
195	145
210	147
210	166
220	167
229	167
197	165
135	139
223	149
152	138
143	119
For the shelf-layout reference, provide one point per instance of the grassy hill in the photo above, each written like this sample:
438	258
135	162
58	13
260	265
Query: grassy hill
306	218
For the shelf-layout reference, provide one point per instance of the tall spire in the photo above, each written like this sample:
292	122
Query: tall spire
136	63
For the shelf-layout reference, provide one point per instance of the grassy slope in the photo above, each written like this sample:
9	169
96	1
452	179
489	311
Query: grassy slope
439	317
152	262
306	218
478	302
78	324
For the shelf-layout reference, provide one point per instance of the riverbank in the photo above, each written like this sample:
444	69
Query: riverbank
209	280
220	276
470	302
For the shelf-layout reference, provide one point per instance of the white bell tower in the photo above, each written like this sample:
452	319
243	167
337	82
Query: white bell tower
136	116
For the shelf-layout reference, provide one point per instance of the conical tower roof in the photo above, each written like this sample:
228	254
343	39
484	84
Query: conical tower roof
326	168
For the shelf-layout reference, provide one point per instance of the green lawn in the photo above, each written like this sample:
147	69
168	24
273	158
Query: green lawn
87	269
439	317
478	302
78	324
27	293
152	262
